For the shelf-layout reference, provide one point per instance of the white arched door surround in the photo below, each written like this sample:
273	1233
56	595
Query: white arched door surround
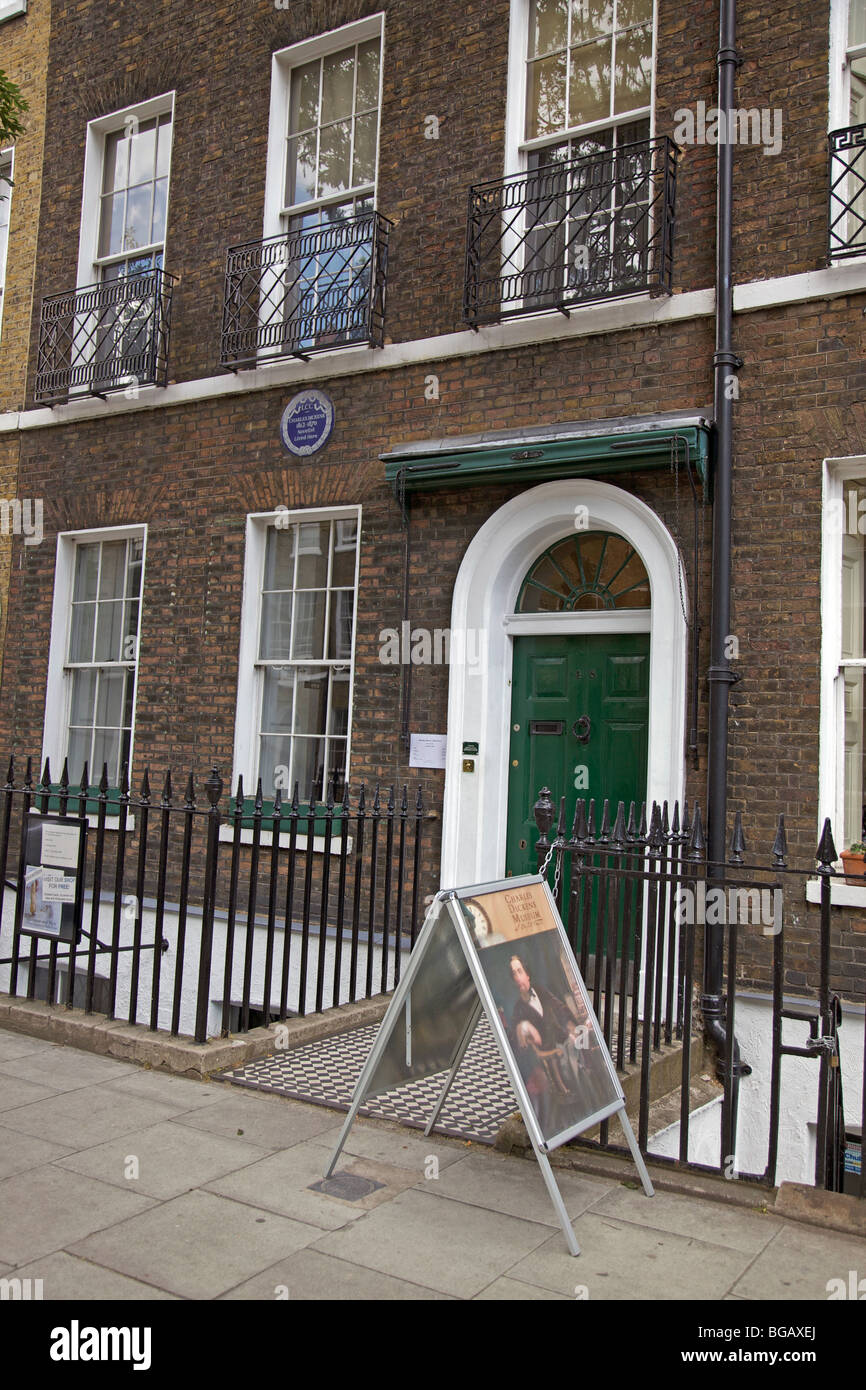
479	698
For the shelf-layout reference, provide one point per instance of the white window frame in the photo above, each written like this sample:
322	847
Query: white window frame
250	680
10	9
94	159
59	686
840	84
7	154
516	145
282	64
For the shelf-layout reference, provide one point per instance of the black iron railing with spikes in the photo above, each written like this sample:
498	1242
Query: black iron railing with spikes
634	896
847	211
202	920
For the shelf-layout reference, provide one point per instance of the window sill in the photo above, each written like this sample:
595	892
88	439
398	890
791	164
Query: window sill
227	836
842	894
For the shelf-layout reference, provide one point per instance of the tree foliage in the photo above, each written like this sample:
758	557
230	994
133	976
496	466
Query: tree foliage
12	106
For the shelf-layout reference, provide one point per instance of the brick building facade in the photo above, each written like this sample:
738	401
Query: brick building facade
583	411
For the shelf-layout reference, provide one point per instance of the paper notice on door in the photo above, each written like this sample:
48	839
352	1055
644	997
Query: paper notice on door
57	887
60	845
427	750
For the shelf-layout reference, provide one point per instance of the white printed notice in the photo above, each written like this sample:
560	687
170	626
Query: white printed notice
57	887
60	847
427	750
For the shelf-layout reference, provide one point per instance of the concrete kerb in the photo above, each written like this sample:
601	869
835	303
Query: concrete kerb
181	1056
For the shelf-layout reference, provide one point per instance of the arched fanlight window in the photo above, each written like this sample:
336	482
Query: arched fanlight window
588	572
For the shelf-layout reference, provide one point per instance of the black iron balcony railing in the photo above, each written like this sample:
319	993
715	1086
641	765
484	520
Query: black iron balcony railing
572	232
107	337
847	212
306	291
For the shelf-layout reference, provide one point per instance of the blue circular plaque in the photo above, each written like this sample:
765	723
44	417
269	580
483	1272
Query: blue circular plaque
307	423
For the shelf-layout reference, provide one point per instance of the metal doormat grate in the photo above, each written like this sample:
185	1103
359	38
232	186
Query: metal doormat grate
325	1073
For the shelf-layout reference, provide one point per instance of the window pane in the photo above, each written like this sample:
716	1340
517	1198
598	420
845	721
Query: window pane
86	571
275	754
545	96
334	151
338	85
345	547
112	574
142	153
110	698
590	83
633	69
309	625
136	231
304	114
311	699
111	224
854	751
857	22
548	26
280	558
339	722
81	634
115	173
301	181
336	769
78	752
160	198
342	615
275	644
313	541
364	166
163	151
109	633
106	749
367	98
589	18
308	765
83	697
133	570
630	12
278	700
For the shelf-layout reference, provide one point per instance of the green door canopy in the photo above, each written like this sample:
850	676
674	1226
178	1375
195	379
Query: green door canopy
539	453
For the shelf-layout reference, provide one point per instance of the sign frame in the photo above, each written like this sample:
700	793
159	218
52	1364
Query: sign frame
447	902
68	930
312	396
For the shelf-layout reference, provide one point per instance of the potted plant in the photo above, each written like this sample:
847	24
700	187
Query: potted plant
854	862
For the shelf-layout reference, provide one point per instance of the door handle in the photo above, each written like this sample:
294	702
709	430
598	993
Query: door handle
582	728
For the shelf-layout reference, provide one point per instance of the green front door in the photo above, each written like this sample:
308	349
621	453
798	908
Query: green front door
579	718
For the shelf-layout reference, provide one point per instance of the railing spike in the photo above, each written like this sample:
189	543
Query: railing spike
166	788
578	829
675	819
617	838
28	774
259	800
46	775
826	852
214	787
631	828
666	824
103	781
590	820
780	846
124	780
239	794
642	828
604	832
697	843
190	791
10	773
738	840
144	794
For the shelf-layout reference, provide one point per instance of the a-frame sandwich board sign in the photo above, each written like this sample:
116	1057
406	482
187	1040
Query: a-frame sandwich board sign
500	948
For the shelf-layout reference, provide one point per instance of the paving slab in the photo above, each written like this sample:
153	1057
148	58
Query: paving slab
733	1227
281	1183
311	1275
66	1069
171	1158
507	1290
514	1187
621	1260
47	1209
14	1045
174	1090
15	1092
20	1153
198	1245
800	1261
390	1144
449	1246
81	1121
265	1121
67	1277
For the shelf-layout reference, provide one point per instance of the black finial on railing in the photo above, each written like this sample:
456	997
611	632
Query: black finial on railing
166	788
376	807
590	820
28	775
296	801
189	799
311	812
697	843
560	824
666	824
10	773
780	846
239	795
578	828
277	811
419	802
686	827
641	834
631	827
391	800
144	794
103	783
362	801
259	800
543	813
214	787
655	839
826	852
64	776
604	832
404	804
45	782
124	781
675	821
617	838
738	841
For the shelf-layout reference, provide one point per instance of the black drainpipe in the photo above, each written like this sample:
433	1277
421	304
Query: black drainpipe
721	677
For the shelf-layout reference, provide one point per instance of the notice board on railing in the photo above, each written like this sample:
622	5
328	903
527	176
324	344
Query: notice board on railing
53	876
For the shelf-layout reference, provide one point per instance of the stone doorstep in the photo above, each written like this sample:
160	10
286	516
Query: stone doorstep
133	1043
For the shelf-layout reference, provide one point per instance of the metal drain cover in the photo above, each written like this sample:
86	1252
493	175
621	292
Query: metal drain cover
349	1187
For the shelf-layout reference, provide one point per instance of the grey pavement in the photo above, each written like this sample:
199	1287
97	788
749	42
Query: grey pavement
123	1183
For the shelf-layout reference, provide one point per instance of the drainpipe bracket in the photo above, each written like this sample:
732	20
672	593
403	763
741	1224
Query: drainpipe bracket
730	55
727	359
723	675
